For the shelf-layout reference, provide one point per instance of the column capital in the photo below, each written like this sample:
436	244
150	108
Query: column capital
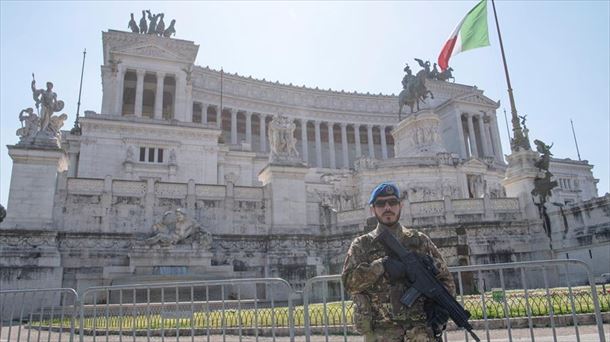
303	121
140	72
317	122
160	73
343	124
356	125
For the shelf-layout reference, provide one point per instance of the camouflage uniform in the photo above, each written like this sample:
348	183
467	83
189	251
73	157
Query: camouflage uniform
378	313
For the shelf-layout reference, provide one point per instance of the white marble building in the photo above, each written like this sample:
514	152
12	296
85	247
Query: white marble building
161	141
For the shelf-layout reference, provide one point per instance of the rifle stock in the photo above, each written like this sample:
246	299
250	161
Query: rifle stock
424	282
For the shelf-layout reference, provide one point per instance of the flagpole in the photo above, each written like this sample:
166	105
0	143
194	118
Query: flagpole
506	121
519	141
76	129
575	141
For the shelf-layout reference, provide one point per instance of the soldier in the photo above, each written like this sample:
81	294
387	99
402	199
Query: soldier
376	282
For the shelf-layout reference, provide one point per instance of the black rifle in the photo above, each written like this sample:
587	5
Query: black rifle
423	282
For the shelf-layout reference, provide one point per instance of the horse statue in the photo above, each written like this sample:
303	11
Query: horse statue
414	88
445	75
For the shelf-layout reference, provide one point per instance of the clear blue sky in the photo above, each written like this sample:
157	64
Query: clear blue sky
558	55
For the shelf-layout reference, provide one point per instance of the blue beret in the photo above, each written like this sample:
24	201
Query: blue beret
384	189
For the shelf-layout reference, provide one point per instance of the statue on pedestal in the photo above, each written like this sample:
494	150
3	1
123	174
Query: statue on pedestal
42	129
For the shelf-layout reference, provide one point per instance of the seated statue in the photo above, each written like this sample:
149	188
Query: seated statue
178	229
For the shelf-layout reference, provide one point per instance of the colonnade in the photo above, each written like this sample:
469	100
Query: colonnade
320	143
479	136
148	93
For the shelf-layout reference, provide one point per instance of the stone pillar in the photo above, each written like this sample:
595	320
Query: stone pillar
219	117
495	134
485	144
357	141
204	113
181	99
369	134
159	96
318	144
188	102
344	145
263	131
304	141
384	145
249	128
118	106
139	91
233	126
33	185
462	140
471	137
331	145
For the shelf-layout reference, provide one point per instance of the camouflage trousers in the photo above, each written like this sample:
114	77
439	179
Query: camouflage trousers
392	332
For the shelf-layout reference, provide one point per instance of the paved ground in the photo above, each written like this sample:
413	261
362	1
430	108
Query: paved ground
587	334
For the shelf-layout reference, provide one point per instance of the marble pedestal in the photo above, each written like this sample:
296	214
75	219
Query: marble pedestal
418	135
288	197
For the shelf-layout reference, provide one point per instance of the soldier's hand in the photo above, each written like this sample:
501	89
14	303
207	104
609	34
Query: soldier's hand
394	269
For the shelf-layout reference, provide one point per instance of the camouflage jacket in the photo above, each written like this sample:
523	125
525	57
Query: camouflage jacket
375	299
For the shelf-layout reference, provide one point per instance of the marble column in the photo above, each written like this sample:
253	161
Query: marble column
304	141
204	113
262	132
485	144
344	145
357	141
181	100
462	140
233	126
369	135
384	145
331	145
118	109
159	96
219	117
249	128
318	144
471	137
495	137
139	91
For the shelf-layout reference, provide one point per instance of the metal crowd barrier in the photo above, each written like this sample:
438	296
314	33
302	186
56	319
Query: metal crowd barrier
486	292
188	309
30	314
501	298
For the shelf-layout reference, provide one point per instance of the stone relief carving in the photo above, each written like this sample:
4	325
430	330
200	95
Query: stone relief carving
175	228
282	141
365	163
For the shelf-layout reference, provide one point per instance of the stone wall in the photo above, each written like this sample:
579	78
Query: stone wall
582	231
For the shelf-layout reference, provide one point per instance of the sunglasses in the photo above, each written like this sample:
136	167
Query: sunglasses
381	203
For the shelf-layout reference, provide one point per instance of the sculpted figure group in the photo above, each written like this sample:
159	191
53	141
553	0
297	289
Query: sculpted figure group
155	25
42	125
175	228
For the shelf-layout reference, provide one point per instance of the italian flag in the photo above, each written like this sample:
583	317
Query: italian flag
470	33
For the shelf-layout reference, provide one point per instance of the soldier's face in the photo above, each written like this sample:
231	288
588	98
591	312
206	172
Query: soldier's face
387	209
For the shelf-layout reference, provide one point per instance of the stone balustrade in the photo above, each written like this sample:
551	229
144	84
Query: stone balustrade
446	211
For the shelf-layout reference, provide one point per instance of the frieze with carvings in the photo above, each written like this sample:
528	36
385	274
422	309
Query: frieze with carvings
170	190
505	204
27	239
434	208
468	205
